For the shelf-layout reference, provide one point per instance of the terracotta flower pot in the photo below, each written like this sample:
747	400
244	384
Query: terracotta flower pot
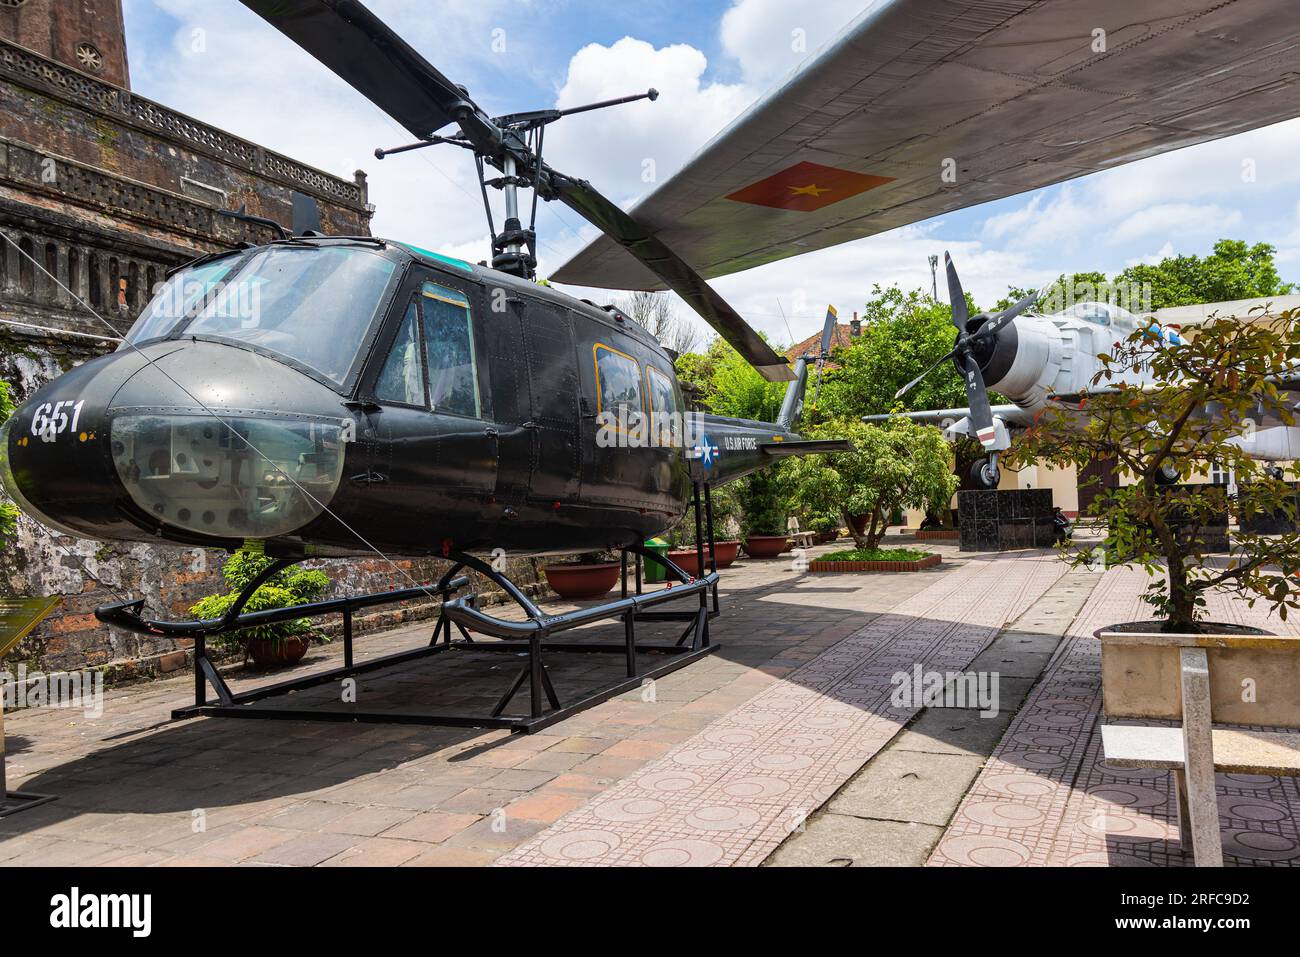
726	552
575	581
684	558
766	546
270	653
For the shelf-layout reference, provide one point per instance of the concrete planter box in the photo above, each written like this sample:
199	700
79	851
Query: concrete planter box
929	561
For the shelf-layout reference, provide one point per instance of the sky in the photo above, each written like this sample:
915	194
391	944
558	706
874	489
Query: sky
710	59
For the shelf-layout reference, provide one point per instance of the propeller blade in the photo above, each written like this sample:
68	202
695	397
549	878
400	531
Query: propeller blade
991	327
908	388
955	295
585	200
977	398
378	64
828	330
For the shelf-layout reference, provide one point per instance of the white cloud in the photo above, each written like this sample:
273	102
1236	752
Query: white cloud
1177	219
769	38
625	150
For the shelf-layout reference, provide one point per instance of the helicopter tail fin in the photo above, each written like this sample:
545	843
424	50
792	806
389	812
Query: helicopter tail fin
792	404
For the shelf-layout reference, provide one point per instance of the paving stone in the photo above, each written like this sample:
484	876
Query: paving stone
368	821
432	827
377	852
842	841
908	786
478	801
953	731
306	850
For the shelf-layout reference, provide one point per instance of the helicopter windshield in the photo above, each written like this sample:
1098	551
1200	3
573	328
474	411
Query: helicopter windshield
312	304
182	292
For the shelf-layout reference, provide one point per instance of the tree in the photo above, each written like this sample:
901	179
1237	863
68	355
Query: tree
903	334
655	313
728	385
1205	395
8	511
896	465
1233	271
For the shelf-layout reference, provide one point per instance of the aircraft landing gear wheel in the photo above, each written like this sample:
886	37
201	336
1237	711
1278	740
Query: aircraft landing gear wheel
985	474
1167	475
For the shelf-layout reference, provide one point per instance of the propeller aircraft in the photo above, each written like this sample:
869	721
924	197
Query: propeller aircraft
1037	359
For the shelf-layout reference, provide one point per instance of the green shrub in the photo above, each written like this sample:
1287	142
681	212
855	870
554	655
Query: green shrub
875	555
288	587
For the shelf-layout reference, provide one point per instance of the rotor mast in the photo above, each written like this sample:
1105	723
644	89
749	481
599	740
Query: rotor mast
512	143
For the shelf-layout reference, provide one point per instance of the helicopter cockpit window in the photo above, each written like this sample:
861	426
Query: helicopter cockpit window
403	377
449	346
663	404
182	292
618	382
311	304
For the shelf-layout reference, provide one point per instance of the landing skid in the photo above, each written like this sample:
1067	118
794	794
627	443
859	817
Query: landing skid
530	637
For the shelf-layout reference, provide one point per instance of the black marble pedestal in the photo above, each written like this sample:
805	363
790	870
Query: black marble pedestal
1005	518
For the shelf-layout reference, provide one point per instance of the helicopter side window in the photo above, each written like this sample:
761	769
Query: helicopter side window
449	347
618	383
403	377
663	403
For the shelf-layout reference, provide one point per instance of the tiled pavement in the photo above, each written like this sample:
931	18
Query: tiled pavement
1047	797
733	792
719	764
135	788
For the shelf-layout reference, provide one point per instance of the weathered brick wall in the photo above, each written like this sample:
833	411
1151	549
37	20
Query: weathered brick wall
70	116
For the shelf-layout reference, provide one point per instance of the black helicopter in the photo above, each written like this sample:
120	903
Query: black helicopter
338	395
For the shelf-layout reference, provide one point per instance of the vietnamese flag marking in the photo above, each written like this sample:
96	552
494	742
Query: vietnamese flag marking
806	187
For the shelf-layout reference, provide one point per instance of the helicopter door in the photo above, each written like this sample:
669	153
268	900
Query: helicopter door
438	447
551	361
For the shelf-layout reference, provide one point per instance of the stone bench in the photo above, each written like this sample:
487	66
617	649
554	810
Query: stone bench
804	539
1238	679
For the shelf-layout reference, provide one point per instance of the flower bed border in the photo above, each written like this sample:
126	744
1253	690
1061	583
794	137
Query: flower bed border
929	561
938	535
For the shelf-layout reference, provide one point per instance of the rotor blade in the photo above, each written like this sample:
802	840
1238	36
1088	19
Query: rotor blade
977	397
582	198
908	388
991	327
375	61
955	295
828	330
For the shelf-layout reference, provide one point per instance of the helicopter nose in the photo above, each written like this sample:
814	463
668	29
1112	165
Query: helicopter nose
52	461
203	441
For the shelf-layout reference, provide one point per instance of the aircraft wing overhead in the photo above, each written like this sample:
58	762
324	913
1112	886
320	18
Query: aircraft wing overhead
1011	91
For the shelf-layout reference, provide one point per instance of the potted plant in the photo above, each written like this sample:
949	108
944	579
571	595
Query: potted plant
266	646
589	575
893	466
726	508
1204	395
762	498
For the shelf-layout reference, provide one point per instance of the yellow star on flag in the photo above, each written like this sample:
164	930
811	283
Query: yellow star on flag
812	189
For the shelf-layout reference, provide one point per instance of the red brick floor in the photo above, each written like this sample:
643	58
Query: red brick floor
1047	797
133	787
733	792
